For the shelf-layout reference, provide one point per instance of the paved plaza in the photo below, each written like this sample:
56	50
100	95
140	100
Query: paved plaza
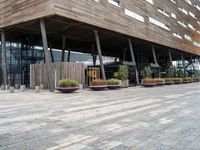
160	118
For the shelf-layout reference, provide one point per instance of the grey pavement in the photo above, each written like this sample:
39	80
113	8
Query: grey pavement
160	118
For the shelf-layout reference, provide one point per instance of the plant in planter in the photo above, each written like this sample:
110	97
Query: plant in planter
98	85
177	80
187	80
67	86
159	81
122	74
196	79
148	82
169	81
113	84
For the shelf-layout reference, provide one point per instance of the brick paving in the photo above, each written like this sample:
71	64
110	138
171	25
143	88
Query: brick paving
161	118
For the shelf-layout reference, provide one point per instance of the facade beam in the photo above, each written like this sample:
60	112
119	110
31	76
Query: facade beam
45	46
134	62
100	54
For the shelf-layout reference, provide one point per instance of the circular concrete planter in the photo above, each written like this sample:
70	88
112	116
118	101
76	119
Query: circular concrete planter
114	87
67	89
149	84
98	87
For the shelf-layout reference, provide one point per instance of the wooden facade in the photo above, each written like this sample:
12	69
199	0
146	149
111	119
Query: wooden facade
105	15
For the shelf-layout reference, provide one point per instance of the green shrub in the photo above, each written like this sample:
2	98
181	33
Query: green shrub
159	80
122	73
113	82
147	72
67	83
177	80
168	79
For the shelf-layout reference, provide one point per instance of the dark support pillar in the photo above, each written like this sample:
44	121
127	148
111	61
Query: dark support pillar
94	56
100	54
193	67
51	52
1	74
154	55
124	54
45	46
183	62
4	65
134	63
63	48
69	55
155	60
170	58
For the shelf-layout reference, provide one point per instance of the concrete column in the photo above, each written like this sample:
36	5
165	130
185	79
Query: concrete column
63	48
183	62
134	63
4	64
170	57
193	67
94	56
69	55
100	54
45	46
154	55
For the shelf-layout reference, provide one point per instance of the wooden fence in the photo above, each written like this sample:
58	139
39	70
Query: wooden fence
64	70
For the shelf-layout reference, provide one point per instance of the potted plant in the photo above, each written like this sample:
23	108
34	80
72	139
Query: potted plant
177	80
187	80
196	79
98	85
67	86
113	84
159	81
169	81
122	74
148	82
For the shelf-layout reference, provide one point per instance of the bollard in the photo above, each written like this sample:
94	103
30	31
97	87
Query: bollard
80	86
7	87
41	86
17	86
12	88
3	87
23	88
37	89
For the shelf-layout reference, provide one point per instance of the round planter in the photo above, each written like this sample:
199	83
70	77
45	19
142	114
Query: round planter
160	84
98	87
67	89
169	83
149	84
114	87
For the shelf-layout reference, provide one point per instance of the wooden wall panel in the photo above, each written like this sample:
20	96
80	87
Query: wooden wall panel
18	11
106	15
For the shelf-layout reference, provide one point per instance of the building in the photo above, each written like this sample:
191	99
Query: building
137	32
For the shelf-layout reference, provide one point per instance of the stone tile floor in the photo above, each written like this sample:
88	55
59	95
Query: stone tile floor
161	118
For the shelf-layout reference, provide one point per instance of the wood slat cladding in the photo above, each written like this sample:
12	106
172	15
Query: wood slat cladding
105	15
18	11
